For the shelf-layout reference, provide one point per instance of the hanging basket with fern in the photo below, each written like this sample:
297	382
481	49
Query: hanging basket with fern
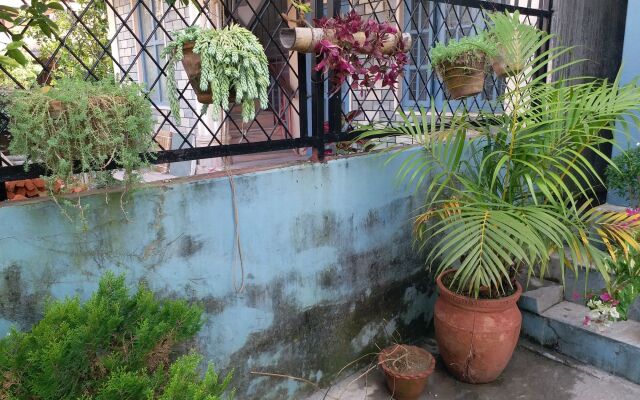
462	64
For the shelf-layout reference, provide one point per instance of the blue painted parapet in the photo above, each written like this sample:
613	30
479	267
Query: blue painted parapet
328	266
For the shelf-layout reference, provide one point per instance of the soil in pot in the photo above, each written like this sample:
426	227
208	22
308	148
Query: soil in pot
406	369
476	337
463	80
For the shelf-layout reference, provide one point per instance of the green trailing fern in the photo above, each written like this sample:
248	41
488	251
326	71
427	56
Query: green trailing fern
81	127
115	346
233	62
466	50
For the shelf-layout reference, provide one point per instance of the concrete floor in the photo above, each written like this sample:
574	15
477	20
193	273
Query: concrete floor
534	373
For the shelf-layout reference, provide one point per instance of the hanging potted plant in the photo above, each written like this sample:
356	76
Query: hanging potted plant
502	213
516	43
406	369
462	64
224	66
349	46
77	129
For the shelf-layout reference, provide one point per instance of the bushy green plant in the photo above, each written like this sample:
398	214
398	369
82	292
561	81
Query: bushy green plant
81	127
516	43
624	176
233	62
115	346
500	201
625	286
467	50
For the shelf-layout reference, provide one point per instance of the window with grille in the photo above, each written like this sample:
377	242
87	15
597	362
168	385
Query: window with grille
154	38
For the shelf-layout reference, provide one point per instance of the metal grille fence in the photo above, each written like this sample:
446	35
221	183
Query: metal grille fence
100	39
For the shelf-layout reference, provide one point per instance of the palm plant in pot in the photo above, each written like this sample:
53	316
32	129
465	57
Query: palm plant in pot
462	64
224	66
504	193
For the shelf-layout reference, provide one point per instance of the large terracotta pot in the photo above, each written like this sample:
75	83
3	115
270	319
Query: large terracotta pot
476	337
406	385
463	80
192	66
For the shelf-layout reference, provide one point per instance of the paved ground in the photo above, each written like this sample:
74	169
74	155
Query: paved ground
533	374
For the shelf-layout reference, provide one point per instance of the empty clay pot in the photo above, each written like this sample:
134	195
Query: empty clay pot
476	337
406	385
464	80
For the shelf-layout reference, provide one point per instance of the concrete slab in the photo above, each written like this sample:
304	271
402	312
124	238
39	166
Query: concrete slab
615	349
532	374
541	299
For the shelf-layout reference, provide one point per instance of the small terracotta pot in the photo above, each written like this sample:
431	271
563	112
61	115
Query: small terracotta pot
463	80
193	66
476	337
406	386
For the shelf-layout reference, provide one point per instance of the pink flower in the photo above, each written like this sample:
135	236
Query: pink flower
586	321
576	296
606	297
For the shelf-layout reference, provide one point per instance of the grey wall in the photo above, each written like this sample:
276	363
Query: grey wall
596	30
630	70
328	264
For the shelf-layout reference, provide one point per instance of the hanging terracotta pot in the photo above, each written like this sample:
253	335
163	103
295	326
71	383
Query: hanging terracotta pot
305	40
407	369
502	69
56	108
476	337
463	80
193	67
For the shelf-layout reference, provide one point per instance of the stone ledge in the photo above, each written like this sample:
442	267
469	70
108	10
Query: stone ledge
541	299
615	350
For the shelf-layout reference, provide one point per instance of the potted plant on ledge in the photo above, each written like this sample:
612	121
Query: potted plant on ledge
78	129
501	201
224	66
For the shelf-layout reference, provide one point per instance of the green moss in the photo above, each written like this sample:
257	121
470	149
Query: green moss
466	50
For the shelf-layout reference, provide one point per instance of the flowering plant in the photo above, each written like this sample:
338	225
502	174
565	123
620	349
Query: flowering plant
604	311
363	61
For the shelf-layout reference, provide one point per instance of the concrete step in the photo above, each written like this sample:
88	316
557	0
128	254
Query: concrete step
616	349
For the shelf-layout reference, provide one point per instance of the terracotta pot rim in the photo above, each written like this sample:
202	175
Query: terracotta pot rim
479	65
481	305
421	375
188	45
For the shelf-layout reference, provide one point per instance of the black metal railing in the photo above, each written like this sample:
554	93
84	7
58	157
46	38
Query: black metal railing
299	104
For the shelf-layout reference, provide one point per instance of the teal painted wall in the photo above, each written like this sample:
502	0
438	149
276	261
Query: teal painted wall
328	264
630	71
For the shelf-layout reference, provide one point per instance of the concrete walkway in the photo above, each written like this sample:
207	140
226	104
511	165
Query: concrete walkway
534	373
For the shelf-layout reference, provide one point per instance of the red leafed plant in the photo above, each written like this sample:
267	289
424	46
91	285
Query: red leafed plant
363	61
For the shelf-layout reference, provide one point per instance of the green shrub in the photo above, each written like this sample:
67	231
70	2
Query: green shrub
625	286
466	50
114	346
625	179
